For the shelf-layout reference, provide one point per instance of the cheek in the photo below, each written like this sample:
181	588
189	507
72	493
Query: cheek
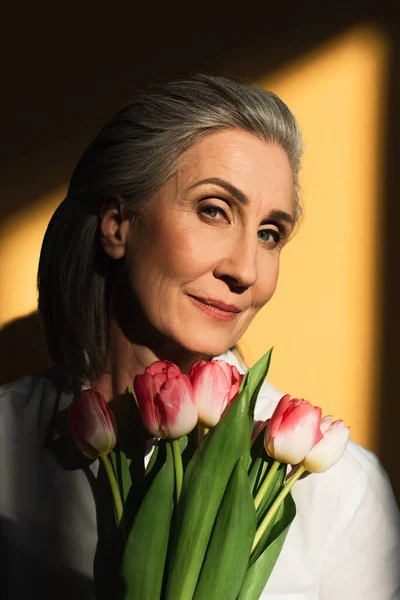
169	254
267	282
184	257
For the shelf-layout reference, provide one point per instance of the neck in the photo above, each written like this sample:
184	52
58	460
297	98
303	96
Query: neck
129	356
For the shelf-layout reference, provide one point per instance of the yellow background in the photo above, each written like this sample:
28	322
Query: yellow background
323	320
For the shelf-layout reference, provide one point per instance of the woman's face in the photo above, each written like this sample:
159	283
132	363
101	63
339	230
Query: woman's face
203	259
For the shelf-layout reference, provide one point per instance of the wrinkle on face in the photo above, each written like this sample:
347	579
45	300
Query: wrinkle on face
173	252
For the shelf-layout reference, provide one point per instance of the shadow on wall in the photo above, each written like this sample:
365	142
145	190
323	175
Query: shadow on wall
389	351
62	93
23	348
61	97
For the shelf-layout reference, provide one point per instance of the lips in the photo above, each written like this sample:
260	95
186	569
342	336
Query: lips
228	308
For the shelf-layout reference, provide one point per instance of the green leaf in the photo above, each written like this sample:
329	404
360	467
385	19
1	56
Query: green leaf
257	472
183	442
204	485
258	573
272	491
259	462
255	377
147	544
153	460
121	469
229	549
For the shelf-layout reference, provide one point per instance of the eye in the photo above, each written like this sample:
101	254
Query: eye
270	236
214	212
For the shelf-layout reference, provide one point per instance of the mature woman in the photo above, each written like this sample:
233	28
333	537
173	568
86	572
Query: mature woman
166	247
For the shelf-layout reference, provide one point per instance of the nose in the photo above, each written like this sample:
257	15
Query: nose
238	263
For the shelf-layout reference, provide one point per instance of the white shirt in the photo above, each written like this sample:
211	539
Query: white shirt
344	543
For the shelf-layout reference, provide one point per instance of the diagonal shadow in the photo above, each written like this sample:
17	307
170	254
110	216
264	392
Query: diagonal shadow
389	351
43	138
23	349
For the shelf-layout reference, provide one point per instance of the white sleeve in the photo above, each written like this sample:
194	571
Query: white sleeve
353	533
361	554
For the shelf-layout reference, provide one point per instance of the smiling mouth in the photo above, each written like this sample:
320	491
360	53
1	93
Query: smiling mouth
220	310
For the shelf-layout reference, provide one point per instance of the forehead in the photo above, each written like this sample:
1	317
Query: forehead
259	169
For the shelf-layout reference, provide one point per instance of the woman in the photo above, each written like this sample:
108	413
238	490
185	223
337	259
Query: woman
166	247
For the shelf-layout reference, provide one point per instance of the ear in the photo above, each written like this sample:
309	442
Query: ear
115	222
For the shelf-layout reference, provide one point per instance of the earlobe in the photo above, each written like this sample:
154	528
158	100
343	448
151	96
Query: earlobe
114	228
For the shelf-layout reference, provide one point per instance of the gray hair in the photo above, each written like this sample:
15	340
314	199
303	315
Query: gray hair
139	149
132	157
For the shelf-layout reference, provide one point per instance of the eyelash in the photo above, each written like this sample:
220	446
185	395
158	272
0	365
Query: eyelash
204	210
276	235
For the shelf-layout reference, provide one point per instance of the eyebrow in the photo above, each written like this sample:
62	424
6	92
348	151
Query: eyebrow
280	215
233	191
277	215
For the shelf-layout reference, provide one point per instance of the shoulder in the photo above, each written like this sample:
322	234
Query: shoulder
357	483
16	393
347	520
21	392
28	404
360	521
357	488
359	466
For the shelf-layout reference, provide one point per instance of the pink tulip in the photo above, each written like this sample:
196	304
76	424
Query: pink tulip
293	430
92	424
165	400
215	384
328	450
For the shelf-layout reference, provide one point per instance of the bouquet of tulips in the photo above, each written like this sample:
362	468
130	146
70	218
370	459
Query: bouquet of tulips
208	516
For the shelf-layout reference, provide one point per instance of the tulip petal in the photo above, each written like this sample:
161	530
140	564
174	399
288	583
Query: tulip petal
158	381
172	369
92	424
299	432
326	422
329	450
165	400
303	416
163	366
102	435
226	367
236	381
211	388
296	427
278	413
176	406
233	377
145	392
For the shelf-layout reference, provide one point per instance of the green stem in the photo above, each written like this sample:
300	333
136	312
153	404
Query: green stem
114	487
266	483
176	451
206	430
276	504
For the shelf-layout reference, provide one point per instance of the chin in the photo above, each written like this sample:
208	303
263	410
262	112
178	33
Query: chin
205	346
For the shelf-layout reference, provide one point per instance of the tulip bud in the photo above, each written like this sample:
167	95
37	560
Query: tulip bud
215	384
165	399
293	430
92	424
328	450
233	376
